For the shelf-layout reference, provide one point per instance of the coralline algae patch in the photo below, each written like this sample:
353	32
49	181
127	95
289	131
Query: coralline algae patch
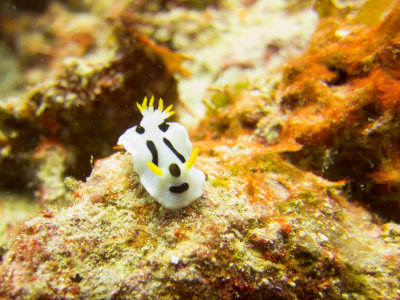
341	102
115	240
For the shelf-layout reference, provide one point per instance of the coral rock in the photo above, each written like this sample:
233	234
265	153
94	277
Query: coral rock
281	234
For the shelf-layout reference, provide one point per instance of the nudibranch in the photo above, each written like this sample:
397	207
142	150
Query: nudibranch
163	157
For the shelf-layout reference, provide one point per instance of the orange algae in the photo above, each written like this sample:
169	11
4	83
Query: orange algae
173	61
389	172
243	157
342	100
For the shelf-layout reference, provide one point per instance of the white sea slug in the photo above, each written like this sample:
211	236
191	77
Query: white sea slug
163	157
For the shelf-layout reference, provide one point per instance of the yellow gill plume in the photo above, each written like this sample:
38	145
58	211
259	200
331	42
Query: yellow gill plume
151	102
140	107
144	106
168	112
160	105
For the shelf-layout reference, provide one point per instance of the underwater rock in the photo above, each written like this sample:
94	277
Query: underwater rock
14	208
262	228
79	80
74	70
341	102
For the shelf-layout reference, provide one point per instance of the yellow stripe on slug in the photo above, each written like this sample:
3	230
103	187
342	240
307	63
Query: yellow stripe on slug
151	101
160	105
189	164
139	106
153	168
144	105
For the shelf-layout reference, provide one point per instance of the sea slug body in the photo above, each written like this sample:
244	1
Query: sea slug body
163	157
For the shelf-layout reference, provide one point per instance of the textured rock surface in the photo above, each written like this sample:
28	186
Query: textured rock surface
341	101
73	70
14	208
285	235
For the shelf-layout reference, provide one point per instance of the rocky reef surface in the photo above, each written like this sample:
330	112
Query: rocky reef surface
301	199
341	99
286	235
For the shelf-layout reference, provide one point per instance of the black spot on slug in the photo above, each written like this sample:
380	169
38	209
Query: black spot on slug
139	129
170	146
163	127
153	150
174	170
178	189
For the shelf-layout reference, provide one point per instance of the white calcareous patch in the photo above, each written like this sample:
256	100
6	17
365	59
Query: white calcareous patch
163	157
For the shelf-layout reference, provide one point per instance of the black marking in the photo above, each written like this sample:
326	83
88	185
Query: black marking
174	170
163	127
77	278
170	146
139	129
178	189
153	150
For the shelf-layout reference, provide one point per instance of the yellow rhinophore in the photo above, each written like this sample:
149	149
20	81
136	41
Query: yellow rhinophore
189	164
153	168
144	104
